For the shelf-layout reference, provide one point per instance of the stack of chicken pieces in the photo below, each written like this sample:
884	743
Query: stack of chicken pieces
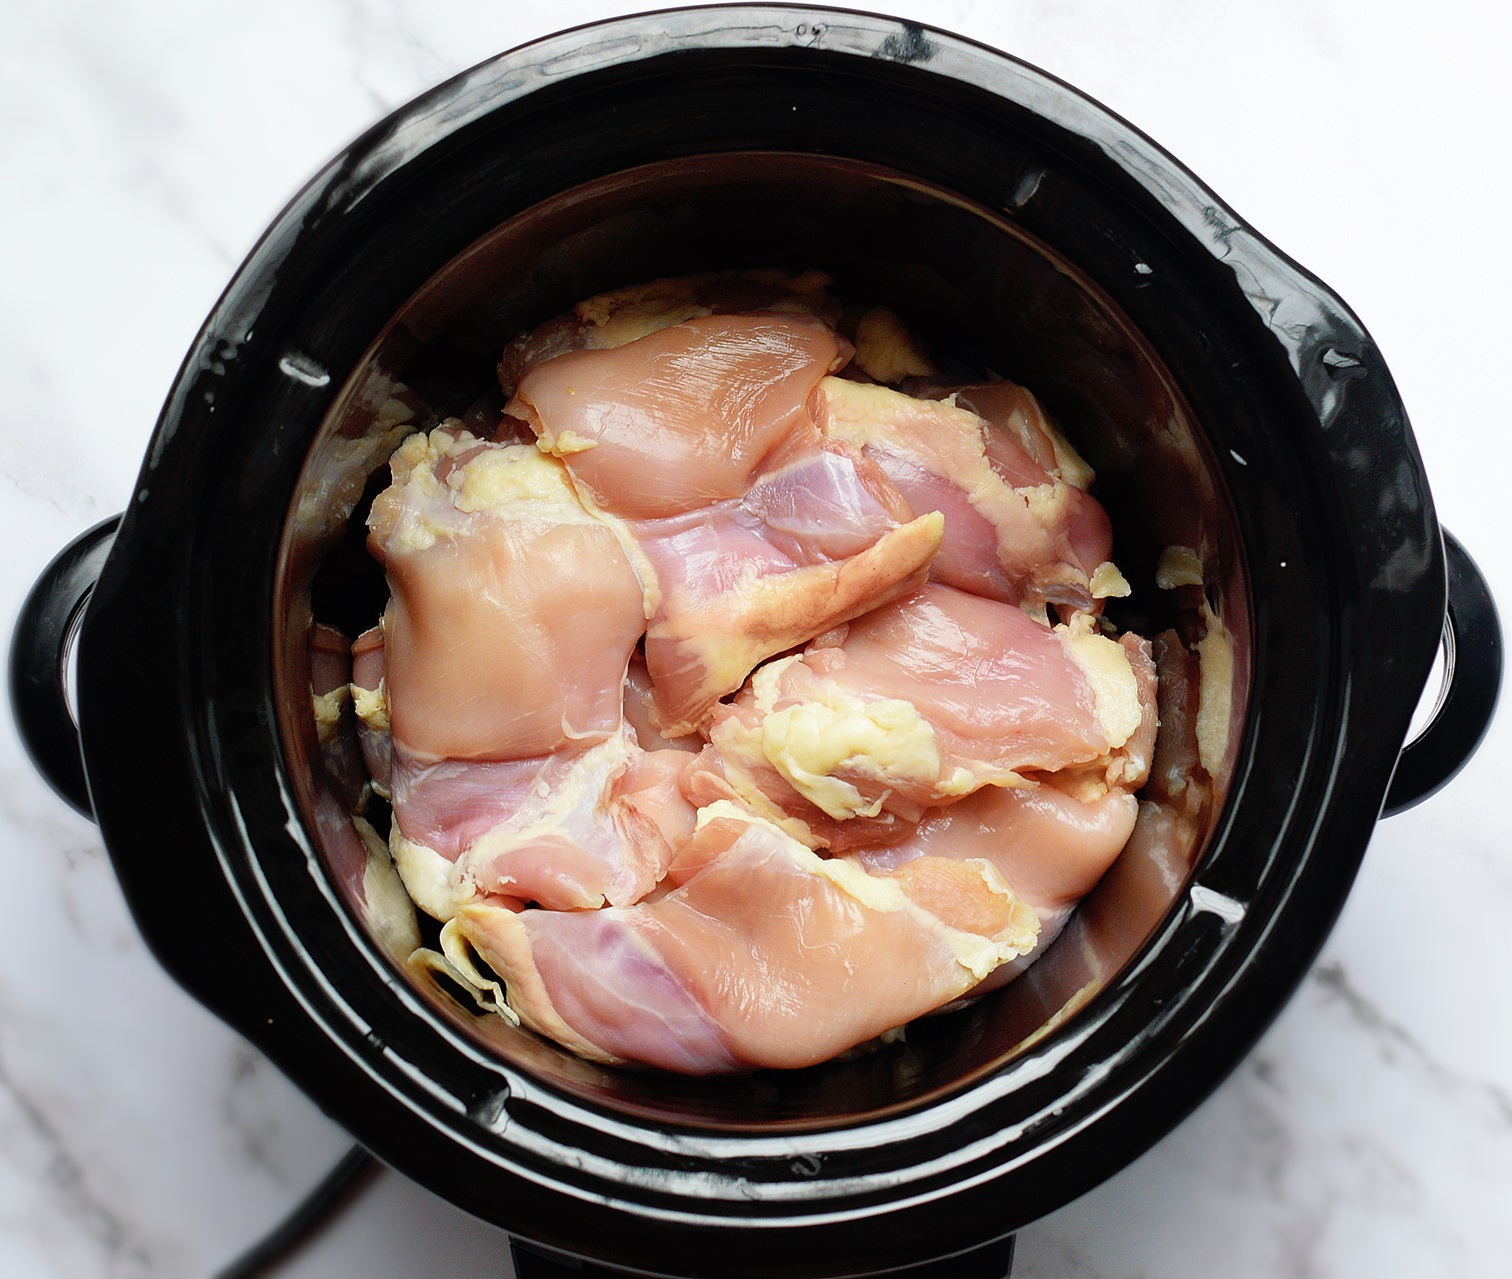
735	706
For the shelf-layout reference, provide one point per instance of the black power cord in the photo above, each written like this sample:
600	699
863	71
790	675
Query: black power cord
336	1190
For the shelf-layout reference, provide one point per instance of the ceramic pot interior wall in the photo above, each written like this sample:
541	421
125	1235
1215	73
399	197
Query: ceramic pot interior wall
983	296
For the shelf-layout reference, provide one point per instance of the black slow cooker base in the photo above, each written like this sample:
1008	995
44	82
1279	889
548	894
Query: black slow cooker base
183	700
993	1261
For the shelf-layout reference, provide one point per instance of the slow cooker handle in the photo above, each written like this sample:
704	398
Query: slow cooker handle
39	662
1472	679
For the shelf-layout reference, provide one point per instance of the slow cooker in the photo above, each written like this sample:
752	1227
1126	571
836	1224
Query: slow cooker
1228	401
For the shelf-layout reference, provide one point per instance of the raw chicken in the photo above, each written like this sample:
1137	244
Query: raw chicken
766	955
1014	412
752	536
491	697
331	697
514	610
571	830
1051	846
623	315
683	417
640	701
1015	531
374	736
736	585
920	703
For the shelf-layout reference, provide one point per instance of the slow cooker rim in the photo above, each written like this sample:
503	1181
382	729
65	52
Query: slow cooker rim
116	586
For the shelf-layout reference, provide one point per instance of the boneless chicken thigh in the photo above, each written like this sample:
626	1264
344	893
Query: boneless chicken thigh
915	705
1050	844
684	417
1016	532
514	610
766	954
571	830
752	535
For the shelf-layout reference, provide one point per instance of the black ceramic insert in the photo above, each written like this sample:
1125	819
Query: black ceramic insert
982	292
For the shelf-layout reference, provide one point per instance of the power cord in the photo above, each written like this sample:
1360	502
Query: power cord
336	1190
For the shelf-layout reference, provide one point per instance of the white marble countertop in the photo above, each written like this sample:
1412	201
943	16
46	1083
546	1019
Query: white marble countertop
144	145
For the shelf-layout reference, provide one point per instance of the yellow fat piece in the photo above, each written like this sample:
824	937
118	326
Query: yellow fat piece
328	711
1215	702
455	961
632	324
1178	566
1115	692
505	479
426	875
517	482
1107	582
389	911
885	739
565	444
886	350
371	705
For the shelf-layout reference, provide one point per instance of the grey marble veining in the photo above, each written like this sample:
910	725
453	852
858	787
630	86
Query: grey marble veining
145	144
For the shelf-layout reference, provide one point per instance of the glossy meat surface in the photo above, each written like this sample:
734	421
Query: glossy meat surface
765	956
912	707
1050	846
622	316
752	534
513	610
732	596
571	830
683	417
1015	531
